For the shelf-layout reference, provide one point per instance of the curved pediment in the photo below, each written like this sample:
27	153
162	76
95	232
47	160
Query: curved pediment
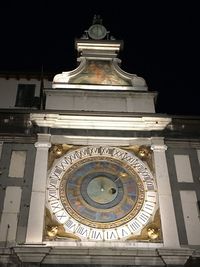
100	72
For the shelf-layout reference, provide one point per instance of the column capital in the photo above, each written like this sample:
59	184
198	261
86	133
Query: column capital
158	148
43	137
42	144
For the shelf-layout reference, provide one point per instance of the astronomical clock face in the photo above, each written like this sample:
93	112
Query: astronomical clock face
101	194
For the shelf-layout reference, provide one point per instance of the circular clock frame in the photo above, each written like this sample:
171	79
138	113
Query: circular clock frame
97	32
101	193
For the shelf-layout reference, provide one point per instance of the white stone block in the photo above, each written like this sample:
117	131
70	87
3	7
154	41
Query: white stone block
191	216
17	164
8	227
12	199
183	168
9	218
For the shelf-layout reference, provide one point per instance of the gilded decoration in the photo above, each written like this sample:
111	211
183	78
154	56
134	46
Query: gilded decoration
54	230
152	232
143	152
57	151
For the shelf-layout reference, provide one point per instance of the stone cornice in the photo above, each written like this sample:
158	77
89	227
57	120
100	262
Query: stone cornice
139	123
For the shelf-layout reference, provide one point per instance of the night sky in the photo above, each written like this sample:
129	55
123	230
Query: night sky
160	42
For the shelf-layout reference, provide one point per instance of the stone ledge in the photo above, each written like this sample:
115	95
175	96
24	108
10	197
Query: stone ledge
97	255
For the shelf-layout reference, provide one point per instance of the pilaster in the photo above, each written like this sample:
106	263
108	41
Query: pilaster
168	221
1	146
37	205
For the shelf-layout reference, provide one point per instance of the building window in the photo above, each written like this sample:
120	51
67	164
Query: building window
25	95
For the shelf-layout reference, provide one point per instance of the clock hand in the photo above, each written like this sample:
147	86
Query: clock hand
116	179
121	175
102	186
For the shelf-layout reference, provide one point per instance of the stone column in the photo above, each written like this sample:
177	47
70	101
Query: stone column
37	205
168	221
1	146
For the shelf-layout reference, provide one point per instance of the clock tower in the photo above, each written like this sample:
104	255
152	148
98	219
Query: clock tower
101	180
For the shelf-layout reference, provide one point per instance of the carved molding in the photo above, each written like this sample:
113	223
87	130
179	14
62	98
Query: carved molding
42	145
158	148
